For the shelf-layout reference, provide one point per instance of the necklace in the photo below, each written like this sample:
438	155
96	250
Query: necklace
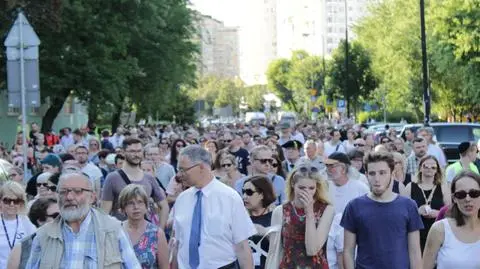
302	217
6	233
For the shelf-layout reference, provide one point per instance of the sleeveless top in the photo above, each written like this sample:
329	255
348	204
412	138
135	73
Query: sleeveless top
293	239
455	254
147	247
436	203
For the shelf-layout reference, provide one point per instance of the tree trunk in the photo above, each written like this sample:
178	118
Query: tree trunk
92	115
116	117
56	105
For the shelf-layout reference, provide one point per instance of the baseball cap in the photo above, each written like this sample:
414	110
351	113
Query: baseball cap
52	159
337	157
293	144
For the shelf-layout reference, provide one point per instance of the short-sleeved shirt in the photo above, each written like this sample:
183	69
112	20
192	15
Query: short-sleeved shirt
382	231
114	184
15	235
225	223
242	157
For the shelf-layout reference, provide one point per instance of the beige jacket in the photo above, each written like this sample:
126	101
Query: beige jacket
106	231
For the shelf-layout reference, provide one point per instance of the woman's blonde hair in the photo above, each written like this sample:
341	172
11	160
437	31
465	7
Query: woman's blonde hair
154	169
309	172
16	189
399	156
438	178
130	192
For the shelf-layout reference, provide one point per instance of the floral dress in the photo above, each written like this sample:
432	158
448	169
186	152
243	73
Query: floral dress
293	239
147	247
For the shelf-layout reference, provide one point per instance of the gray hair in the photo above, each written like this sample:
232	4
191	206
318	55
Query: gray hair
426	129
68	175
196	154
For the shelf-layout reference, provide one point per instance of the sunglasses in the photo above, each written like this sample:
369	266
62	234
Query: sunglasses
274	165
248	192
306	169
264	161
53	216
359	145
463	194
227	141
180	146
45	185
8	201
430	167
225	165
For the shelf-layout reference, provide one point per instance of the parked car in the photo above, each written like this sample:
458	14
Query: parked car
450	135
379	129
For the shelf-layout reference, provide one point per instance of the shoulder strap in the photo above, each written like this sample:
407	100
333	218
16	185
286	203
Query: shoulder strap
338	145
124	177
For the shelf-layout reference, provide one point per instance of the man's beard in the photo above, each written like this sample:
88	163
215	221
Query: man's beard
133	161
75	214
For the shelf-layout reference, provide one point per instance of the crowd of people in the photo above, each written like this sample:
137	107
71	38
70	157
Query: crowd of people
275	196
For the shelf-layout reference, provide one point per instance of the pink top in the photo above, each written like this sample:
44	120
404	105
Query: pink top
442	212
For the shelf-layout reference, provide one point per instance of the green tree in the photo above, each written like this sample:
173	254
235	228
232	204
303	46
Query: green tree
278	81
254	97
360	80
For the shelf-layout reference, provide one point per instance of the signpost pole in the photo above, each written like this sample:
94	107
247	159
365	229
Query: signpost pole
23	93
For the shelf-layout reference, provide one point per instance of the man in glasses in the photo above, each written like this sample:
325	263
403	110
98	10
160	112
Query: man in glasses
131	173
83	237
343	183
262	160
382	226
210	221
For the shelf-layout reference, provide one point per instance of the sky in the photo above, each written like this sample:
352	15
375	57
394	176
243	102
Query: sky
227	11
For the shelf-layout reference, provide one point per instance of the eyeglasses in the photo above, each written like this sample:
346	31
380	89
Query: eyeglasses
134	151
8	201
45	185
463	194
225	165
359	145
135	203
227	141
53	216
76	191
430	167
305	169
184	170
248	192
179	145
264	161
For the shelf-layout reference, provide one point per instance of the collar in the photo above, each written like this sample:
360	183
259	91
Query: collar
208	188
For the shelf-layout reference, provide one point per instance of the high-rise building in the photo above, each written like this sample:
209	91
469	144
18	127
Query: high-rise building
219	48
258	40
300	26
336	18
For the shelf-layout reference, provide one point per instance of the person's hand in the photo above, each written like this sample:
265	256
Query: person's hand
307	201
433	214
422	210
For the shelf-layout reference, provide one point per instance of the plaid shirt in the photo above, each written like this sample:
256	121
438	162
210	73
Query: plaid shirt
412	164
80	249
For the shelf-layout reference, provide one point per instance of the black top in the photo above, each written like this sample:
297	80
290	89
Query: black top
264	220
436	203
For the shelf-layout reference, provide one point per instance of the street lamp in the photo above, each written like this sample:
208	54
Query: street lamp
426	91
346	60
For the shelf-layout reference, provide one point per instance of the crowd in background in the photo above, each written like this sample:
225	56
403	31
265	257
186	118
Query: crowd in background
280	195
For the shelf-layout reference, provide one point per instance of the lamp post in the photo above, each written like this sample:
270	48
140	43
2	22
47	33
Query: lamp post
426	90
346	60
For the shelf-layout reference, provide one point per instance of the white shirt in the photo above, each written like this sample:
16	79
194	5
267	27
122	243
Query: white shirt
93	172
116	140
25	228
329	148
334	242
341	195
225	222
436	151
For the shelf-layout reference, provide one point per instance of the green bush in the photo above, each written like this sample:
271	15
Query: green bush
394	116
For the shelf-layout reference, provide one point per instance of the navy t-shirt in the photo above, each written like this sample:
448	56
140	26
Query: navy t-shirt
382	231
243	161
